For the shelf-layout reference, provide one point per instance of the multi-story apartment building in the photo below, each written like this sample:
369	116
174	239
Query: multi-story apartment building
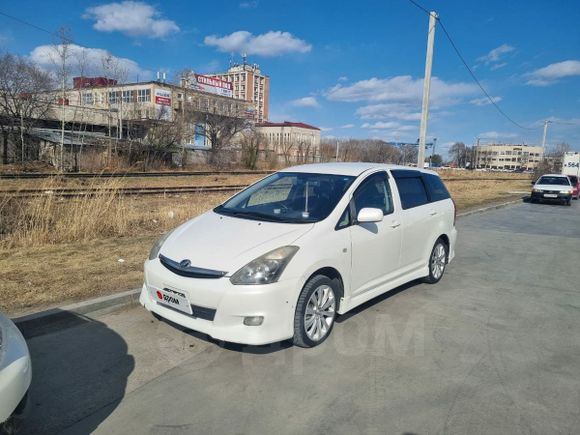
292	141
510	157
251	85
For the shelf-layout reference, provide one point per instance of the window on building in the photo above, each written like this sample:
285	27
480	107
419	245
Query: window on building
128	96
87	98
114	97
144	95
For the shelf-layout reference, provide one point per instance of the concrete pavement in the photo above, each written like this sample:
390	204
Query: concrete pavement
493	348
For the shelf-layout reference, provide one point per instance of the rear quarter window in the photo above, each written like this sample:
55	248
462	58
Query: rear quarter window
435	187
412	191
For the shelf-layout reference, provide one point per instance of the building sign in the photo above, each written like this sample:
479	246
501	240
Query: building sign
162	97
211	85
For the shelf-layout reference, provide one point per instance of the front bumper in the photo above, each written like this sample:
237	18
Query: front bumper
15	370
540	196
231	303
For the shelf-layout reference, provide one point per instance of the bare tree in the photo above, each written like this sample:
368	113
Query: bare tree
60	58
21	98
219	130
252	143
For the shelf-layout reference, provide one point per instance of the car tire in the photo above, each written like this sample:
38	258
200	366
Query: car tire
315	311
437	262
533	200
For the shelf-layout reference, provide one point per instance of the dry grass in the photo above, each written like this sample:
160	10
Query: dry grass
197	180
55	251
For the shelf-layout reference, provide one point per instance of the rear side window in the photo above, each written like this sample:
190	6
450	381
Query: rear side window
412	191
435	187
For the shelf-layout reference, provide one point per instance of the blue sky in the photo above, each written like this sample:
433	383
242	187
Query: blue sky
353	69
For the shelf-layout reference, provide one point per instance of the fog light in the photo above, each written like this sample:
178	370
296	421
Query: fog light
253	320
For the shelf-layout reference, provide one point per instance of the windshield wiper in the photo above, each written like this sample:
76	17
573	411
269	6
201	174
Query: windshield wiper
249	215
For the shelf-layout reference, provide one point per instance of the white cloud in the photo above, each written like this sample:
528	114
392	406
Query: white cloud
498	66
89	61
305	102
484	101
347	126
249	4
400	89
342	79
496	54
382	125
400	111
273	43
550	74
133	18
326	128
495	135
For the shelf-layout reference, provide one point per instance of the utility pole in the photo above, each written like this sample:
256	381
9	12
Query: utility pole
546	122
337	149
426	90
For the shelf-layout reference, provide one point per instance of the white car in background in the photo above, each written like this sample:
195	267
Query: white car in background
552	187
15	375
282	258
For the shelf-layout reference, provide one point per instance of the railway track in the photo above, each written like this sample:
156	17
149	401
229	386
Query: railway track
124	191
34	175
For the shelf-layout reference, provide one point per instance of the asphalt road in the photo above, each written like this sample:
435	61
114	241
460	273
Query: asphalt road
493	348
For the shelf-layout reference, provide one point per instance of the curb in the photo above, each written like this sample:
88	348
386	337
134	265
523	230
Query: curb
54	319
489	208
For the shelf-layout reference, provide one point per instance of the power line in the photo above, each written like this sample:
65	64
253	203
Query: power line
473	76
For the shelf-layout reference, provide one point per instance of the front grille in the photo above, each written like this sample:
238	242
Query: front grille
197	312
189	271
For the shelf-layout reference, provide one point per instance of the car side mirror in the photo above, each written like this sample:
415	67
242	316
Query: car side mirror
368	215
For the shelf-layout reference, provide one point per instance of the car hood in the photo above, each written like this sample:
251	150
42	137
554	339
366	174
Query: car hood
552	187
225	243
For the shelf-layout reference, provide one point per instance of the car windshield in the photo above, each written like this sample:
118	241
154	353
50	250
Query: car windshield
291	197
556	181
573	179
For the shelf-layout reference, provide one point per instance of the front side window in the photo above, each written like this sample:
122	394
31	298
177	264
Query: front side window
374	192
291	197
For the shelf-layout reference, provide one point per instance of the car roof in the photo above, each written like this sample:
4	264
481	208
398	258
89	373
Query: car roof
553	175
348	168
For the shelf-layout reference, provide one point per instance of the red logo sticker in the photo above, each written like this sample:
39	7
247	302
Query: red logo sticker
159	294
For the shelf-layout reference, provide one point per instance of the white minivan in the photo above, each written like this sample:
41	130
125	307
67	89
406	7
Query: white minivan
282	258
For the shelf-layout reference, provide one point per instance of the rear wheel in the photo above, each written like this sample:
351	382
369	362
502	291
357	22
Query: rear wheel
437	262
315	311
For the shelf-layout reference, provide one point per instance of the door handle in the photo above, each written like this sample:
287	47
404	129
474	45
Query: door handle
395	224
432	212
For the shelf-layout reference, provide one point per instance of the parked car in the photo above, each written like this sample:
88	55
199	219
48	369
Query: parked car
575	182
15	376
552	187
282	258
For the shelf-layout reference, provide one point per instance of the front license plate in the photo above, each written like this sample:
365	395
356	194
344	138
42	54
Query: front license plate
172	298
550	195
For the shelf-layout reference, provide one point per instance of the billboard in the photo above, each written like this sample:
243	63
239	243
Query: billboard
162	99
211	85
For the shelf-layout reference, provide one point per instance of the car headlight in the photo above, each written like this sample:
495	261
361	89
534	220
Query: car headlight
154	253
265	269
536	190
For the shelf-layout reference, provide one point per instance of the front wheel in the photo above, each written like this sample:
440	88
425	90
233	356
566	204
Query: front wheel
437	262
315	311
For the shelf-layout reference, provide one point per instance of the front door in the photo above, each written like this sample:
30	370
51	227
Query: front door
376	246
